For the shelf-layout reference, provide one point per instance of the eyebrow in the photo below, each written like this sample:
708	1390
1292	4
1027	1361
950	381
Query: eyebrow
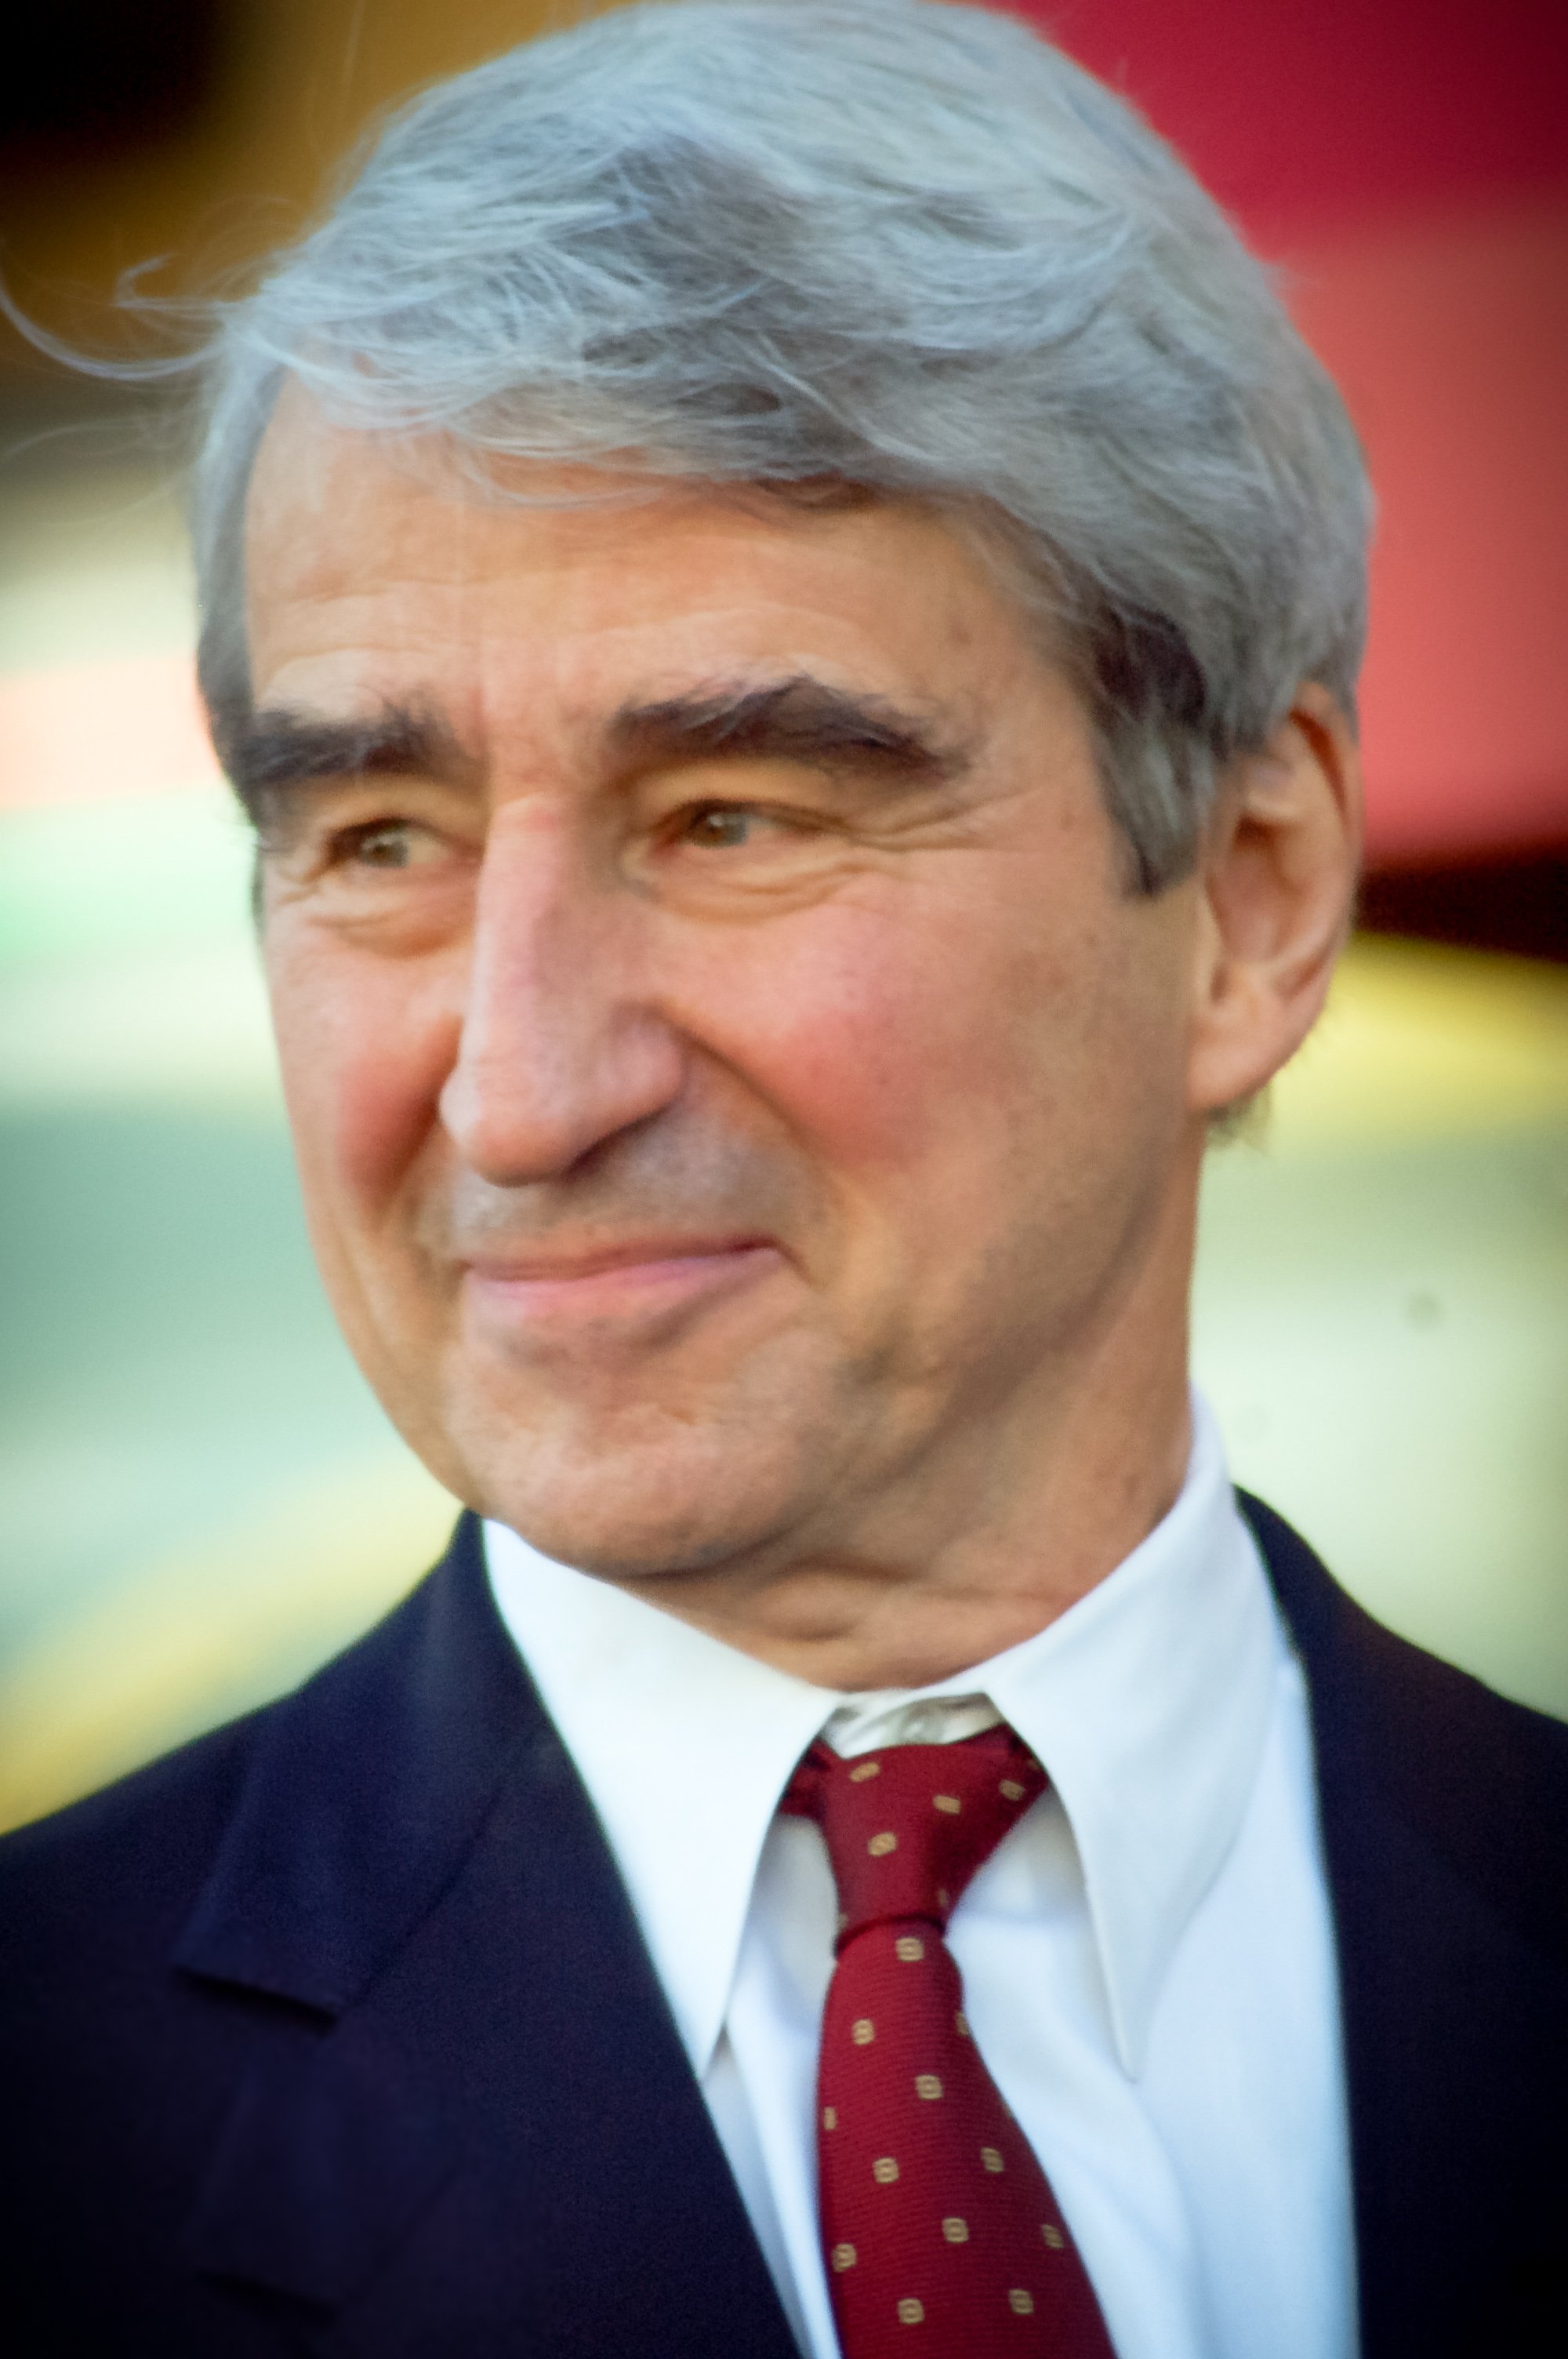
798	719
270	754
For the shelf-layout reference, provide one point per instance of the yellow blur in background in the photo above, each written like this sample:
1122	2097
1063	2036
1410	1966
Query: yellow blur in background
200	1500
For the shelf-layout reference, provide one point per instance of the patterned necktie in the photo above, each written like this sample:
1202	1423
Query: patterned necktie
935	2212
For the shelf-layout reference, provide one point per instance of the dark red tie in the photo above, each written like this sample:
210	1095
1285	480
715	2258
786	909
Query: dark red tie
940	2232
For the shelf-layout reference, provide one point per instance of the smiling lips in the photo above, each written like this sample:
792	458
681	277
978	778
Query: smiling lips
651	1274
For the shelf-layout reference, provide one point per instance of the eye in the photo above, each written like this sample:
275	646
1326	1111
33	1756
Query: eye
722	827
744	827
384	843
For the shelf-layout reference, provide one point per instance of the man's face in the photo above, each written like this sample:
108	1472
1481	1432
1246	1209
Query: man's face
739	1105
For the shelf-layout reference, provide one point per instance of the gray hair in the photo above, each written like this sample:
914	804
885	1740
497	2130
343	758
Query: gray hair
899	245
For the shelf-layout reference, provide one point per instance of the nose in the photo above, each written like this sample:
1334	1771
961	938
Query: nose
562	1044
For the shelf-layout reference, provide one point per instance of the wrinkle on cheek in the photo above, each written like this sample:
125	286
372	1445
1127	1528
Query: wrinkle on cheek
383	1110
362	1071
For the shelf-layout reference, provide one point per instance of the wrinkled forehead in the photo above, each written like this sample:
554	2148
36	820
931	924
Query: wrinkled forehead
325	495
314	478
386	546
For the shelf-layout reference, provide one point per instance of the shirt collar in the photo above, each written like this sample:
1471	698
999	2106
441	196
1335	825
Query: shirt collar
1147	1703
685	1746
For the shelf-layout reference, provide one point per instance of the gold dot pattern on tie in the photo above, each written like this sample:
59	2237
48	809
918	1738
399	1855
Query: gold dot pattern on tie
940	2229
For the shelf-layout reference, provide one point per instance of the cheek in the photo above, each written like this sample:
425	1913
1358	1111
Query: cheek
884	1042
836	1035
1010	1041
364	1052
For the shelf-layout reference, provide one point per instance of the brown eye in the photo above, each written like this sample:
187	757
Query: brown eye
724	827
388	844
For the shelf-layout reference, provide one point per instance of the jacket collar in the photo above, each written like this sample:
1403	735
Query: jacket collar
1442	1808
449	2012
460	2100
366	1788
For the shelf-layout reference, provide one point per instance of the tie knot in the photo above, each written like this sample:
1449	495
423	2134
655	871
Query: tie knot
907	1827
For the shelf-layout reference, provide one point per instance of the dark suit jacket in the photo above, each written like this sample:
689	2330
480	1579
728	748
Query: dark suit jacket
334	2032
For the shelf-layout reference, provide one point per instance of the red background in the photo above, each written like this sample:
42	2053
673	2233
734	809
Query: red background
1407	166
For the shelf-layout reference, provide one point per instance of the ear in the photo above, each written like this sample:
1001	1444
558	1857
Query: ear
1277	883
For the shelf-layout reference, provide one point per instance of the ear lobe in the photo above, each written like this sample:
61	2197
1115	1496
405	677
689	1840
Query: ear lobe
1278	879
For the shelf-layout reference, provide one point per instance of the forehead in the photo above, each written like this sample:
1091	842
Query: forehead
371	562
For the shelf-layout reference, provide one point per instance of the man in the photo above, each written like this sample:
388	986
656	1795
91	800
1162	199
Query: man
786	603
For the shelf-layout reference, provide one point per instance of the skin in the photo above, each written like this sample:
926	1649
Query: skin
763	1173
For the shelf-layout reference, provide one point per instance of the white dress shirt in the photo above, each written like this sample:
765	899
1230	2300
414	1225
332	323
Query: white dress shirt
1148	1957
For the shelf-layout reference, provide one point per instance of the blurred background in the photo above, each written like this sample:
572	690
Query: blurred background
199	1499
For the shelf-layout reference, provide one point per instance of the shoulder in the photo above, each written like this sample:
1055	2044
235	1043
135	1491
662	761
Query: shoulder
110	2072
1482	1779
131	1856
116	1875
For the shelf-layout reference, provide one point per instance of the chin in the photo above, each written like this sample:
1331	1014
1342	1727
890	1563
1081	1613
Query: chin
641	1507
626	1537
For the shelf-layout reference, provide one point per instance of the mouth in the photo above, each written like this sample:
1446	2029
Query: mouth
632	1280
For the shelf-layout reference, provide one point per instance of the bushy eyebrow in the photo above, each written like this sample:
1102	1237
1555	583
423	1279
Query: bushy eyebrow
270	754
798	720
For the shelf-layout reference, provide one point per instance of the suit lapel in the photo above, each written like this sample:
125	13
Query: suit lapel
1439	1808
463	2115
467	2118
